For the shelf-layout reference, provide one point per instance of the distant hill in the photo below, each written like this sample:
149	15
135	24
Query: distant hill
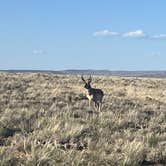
32	71
156	74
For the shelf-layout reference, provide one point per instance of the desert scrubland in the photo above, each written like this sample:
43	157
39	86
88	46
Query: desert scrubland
45	119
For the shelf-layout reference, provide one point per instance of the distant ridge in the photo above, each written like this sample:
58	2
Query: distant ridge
156	74
32	71
87	72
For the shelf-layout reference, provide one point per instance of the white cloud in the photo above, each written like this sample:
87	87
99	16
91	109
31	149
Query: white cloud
105	33
139	34
135	34
155	54
160	36
38	52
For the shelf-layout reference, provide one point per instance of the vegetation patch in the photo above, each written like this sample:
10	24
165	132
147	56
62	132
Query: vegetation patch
45	119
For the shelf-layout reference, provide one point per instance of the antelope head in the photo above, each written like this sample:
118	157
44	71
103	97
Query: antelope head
87	83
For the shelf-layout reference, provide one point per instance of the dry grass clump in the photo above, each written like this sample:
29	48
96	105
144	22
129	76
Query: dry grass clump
45	120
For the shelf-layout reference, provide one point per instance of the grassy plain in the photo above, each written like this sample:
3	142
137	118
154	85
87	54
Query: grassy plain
45	119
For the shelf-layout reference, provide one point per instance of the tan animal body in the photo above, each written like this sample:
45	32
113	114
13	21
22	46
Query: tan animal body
93	94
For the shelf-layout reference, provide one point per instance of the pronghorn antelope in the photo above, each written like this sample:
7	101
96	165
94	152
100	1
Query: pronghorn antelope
95	95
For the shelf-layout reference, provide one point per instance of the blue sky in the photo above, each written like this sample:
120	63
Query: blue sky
87	34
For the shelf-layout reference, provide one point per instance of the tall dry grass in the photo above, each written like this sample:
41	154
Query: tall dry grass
45	120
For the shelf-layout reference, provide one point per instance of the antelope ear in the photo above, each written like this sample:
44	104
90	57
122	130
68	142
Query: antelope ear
90	79
83	79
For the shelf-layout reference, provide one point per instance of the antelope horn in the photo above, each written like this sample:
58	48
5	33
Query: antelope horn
90	79
83	79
